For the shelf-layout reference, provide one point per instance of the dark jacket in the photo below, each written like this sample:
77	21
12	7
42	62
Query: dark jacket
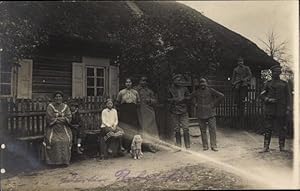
279	90
241	76
206	101
178	99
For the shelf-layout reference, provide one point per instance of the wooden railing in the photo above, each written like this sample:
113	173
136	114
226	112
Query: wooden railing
26	117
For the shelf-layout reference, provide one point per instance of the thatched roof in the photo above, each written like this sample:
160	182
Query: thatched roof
166	32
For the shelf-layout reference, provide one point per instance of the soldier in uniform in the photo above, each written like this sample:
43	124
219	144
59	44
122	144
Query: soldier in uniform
207	99
178	97
277	98
241	77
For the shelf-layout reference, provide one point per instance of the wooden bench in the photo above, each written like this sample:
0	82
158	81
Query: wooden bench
33	144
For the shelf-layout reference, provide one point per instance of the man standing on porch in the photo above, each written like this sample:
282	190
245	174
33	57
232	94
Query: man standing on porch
277	98
178	97
206	101
241	77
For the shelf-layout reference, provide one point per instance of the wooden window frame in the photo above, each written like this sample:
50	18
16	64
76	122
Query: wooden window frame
4	83
95	77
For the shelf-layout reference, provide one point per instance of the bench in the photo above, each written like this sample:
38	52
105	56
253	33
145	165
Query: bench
33	143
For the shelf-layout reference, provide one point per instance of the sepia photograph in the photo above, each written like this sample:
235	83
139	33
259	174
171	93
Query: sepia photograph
149	95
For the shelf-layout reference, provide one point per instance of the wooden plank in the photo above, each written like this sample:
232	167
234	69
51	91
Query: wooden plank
27	138
52	73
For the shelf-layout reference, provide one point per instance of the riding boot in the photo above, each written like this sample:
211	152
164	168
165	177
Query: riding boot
281	144
178	139
186	138
267	141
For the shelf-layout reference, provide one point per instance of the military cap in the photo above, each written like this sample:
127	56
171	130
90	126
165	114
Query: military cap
177	76
240	58
275	67
203	81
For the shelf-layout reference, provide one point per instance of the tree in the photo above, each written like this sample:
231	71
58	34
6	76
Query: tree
277	50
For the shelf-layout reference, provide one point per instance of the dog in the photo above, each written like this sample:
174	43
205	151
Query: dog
136	147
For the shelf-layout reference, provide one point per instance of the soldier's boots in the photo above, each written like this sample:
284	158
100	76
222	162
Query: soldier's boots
266	145
178	139
265	149
281	144
186	138
281	148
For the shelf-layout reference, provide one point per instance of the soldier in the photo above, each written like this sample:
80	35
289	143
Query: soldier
178	97
277	98
206	100
241	77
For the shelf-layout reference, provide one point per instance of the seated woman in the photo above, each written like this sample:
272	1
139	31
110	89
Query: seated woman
111	132
58	135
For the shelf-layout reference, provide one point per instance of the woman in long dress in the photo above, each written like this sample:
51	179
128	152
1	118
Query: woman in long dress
58	136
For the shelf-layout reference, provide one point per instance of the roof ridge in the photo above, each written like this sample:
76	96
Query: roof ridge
135	9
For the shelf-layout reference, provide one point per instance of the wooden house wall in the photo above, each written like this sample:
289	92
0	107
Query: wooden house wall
51	74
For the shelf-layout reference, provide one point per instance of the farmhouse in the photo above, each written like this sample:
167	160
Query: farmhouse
87	49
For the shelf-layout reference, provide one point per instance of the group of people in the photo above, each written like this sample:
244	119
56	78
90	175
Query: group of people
205	99
276	95
132	110
133	113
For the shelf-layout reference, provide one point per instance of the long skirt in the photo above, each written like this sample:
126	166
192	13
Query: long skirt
146	115
128	114
58	144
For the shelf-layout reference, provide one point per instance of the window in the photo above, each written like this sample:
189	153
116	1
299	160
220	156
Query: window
95	81
5	79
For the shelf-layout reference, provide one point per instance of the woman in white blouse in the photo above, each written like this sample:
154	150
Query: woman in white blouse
128	100
110	128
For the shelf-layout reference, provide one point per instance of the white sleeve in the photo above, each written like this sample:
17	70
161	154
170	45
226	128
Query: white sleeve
104	118
116	118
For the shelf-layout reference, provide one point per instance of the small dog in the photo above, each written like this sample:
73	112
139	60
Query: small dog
136	147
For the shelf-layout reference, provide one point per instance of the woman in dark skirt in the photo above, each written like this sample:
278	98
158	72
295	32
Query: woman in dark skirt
128	101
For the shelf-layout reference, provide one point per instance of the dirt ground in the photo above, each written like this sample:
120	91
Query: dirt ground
237	165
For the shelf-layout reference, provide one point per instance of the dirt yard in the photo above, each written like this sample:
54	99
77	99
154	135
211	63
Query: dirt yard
237	165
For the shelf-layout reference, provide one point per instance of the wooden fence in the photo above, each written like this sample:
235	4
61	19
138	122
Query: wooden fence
250	117
26	117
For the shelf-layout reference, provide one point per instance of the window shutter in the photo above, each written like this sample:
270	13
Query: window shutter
24	86
113	81
78	80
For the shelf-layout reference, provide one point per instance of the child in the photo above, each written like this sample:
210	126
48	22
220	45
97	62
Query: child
76	127
110	126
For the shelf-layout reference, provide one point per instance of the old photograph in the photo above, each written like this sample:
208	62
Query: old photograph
149	95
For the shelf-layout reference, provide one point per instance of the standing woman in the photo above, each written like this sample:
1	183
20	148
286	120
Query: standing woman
128	100
58	138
